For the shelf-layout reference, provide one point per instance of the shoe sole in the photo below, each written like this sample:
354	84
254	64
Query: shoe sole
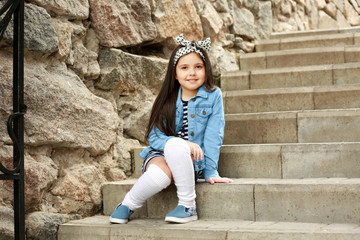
117	220
181	220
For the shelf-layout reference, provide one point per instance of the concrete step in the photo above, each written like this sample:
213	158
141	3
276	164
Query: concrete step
293	127
305	76
288	99
312	41
290	161
282	35
299	57
98	228
320	200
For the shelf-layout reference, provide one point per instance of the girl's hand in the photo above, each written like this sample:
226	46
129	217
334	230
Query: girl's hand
196	151
213	180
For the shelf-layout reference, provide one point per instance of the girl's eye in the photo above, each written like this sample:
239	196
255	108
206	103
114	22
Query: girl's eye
199	66
184	67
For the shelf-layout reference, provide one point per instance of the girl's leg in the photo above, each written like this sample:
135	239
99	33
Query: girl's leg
151	182
155	179
178	158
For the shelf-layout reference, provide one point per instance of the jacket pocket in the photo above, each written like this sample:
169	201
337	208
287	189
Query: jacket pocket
203	114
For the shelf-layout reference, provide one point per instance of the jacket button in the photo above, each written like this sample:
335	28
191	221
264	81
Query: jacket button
204	112
192	133
192	115
193	99
199	166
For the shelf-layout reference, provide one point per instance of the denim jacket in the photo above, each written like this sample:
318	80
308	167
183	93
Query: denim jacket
206	128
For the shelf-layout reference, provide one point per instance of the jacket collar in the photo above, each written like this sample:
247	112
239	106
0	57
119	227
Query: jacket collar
201	93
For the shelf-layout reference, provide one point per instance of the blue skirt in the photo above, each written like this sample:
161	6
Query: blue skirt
156	153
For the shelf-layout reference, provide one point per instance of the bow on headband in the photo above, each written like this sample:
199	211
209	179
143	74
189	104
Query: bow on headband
189	47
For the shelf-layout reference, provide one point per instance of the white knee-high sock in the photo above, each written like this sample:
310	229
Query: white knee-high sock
151	182
178	158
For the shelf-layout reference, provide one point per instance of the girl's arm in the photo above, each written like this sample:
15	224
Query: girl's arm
213	139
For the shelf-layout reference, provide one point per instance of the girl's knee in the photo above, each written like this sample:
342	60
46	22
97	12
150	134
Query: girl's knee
176	143
161	163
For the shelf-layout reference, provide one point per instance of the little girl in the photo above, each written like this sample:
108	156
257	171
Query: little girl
185	133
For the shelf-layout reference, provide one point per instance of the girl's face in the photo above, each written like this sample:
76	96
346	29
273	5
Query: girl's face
190	72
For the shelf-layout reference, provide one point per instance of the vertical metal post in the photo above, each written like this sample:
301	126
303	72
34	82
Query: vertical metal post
18	125
15	123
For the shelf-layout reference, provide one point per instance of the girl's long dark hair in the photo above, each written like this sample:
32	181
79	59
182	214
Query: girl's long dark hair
164	109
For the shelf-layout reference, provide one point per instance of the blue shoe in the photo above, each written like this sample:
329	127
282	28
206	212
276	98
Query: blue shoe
121	214
182	214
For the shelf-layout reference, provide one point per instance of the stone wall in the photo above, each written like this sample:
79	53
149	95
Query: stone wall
92	71
300	15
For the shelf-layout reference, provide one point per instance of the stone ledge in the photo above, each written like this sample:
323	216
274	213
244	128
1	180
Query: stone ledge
292	99
312	41
299	57
304	126
314	32
299	160
302	76
99	228
322	200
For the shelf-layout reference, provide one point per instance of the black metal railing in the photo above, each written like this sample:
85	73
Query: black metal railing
15	123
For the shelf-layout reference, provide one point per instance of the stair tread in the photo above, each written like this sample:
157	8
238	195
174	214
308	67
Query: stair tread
323	67
283	35
293	90
259	145
201	229
282	114
320	36
301	51
290	160
299	57
288	77
269	181
292	99
283	144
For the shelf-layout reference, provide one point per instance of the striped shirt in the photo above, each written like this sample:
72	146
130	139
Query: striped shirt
183	133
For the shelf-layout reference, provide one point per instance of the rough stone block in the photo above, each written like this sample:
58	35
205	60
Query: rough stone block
225	201
114	193
291	77
337	97
352	54
330	40
162	203
284	35
347	73
309	200
267	45
83	232
255	161
294	231
260	128
329	126
321	160
269	100
236	80
305	57
252	61
137	162
357	38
